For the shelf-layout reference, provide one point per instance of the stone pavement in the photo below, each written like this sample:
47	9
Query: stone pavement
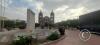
72	38
7	36
43	33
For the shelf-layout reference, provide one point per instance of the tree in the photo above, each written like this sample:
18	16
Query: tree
21	24
69	23
9	24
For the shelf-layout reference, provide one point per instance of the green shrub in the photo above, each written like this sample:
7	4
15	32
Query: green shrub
53	36
22	41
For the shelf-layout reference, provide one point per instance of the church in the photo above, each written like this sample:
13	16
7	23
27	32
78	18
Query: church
46	21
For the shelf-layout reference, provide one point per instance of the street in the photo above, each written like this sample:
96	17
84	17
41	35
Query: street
72	38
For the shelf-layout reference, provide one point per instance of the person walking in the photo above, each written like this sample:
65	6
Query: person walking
62	30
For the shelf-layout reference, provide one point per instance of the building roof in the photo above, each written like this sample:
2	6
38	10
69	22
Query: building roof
3	18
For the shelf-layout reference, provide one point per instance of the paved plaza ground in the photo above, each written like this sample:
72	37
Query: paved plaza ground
72	38
7	36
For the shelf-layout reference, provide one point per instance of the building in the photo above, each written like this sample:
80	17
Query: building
46	21
30	19
90	21
1	19
90	18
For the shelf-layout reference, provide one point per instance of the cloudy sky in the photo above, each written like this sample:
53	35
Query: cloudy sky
63	9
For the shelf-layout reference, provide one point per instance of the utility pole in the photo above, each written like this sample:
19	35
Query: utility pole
1	16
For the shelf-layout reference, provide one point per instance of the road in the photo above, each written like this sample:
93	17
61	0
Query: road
72	38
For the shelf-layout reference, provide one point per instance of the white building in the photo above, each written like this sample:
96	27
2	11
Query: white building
30	20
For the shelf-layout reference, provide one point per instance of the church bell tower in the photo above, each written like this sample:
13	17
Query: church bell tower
40	18
52	17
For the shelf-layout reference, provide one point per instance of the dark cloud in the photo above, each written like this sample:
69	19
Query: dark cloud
53	4
74	7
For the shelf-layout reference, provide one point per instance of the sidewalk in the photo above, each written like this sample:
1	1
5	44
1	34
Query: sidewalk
72	38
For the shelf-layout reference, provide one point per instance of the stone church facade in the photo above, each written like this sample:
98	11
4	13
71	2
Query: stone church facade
46	21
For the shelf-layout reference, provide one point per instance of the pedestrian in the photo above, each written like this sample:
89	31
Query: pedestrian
62	30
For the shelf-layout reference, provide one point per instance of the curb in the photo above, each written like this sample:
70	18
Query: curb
50	42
